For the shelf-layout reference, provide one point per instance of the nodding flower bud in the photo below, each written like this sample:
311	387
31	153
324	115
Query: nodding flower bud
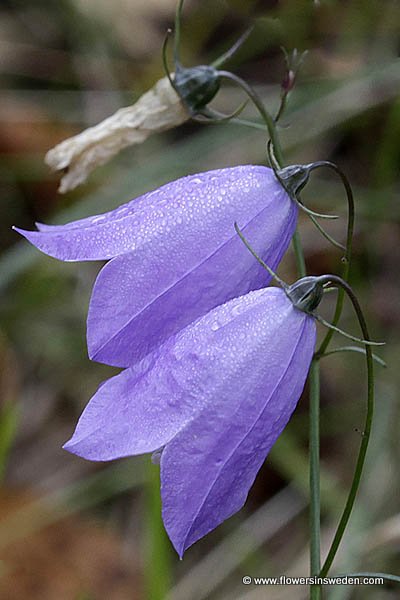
196	86
306	293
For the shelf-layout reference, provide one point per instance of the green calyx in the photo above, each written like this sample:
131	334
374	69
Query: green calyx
196	86
306	293
294	178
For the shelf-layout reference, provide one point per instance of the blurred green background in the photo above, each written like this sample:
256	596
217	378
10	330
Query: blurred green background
75	530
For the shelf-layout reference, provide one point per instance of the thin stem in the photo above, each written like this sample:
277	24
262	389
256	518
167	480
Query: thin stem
158	548
370	399
251	124
344	333
255	98
366	433
232	50
177	32
326	234
356	349
259	259
299	255
282	106
315	511
165	58
347	255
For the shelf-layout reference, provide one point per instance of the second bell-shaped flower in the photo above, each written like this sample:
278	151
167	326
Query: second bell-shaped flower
175	255
215	398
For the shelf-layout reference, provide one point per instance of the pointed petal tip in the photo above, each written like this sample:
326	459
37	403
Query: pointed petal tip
31	236
75	447
180	545
26	233
18	229
69	446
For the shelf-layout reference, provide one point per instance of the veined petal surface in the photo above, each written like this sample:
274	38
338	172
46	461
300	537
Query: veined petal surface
210	465
141	298
144	407
200	208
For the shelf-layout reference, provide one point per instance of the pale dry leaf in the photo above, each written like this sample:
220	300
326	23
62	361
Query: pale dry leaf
157	110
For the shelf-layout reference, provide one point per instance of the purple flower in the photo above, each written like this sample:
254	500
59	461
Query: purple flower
214	397
175	255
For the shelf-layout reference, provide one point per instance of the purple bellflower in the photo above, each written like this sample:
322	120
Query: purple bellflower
174	255
212	401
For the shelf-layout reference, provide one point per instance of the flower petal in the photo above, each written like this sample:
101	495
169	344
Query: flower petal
144	407
143	297
200	208
135	412
209	467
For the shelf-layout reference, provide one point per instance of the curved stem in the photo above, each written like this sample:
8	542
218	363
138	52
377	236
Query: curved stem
165	59
326	235
347	255
254	97
356	349
367	427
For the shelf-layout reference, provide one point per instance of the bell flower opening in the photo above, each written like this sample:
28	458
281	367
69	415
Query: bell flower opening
215	397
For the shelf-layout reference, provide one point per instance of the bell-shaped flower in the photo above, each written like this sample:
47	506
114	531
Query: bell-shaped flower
214	399
175	255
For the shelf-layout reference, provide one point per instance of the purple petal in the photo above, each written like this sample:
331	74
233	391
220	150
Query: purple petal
143	297
209	467
135	412
200	208
145	406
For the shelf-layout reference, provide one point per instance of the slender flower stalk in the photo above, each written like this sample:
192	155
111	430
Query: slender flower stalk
346	260
365	434
314	477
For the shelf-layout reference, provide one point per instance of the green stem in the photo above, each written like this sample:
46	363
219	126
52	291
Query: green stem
347	255
315	510
299	255
177	32
268	120
157	564
365	435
